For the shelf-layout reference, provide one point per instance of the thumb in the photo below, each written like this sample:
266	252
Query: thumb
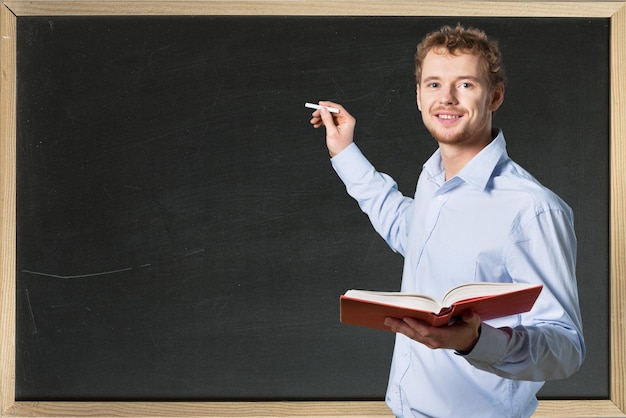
329	122
339	127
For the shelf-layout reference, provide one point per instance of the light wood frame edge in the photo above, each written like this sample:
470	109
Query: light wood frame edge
10	10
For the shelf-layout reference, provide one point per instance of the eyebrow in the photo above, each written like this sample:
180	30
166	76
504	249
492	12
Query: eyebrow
463	77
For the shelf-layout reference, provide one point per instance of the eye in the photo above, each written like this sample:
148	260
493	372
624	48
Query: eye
433	85
466	85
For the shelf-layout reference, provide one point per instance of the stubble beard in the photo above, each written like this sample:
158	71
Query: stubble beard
448	137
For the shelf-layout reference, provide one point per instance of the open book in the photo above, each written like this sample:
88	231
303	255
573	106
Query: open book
489	300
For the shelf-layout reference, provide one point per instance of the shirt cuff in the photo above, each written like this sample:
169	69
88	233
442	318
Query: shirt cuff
350	164
490	347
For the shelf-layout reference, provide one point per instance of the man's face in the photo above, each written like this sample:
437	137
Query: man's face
455	99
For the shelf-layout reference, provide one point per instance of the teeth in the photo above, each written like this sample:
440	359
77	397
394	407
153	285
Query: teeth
448	116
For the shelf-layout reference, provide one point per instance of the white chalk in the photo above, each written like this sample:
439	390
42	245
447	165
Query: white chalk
314	106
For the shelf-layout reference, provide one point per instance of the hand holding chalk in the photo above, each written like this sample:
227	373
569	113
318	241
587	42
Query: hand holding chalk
338	122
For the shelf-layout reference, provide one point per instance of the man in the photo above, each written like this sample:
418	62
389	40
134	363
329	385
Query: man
476	216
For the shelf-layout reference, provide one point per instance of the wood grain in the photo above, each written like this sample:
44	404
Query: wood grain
7	207
618	208
326	8
10	10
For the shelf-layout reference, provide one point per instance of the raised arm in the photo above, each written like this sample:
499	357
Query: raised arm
376	193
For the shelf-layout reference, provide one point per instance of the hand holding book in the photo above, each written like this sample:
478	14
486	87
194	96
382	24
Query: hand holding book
489	300
460	336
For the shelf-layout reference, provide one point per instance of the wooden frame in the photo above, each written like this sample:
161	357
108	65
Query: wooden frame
11	10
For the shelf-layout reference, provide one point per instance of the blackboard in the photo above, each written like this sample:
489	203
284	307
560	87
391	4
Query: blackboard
180	234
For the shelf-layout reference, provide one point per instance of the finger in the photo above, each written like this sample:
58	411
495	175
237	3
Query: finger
316	121
392	323
328	121
407	326
327	103
419	329
431	337
471	318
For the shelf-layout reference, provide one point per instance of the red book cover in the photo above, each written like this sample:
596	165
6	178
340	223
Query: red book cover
489	300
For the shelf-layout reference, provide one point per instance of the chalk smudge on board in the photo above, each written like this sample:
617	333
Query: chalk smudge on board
108	272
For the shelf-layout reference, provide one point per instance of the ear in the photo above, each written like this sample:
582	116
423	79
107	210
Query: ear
418	99
497	97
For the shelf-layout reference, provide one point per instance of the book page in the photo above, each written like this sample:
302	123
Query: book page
405	300
475	290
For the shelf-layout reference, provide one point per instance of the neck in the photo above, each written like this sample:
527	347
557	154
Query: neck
454	161
455	157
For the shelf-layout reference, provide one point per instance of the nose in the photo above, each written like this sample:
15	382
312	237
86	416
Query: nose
448	96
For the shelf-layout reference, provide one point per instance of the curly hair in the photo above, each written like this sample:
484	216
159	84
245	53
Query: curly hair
470	40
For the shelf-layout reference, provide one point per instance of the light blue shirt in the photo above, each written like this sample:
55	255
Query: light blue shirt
492	222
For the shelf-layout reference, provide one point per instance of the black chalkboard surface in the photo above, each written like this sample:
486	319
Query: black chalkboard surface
181	235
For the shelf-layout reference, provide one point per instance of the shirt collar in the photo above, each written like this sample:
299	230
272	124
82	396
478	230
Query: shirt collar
477	171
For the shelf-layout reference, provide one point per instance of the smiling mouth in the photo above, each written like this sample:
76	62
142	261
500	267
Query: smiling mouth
448	117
